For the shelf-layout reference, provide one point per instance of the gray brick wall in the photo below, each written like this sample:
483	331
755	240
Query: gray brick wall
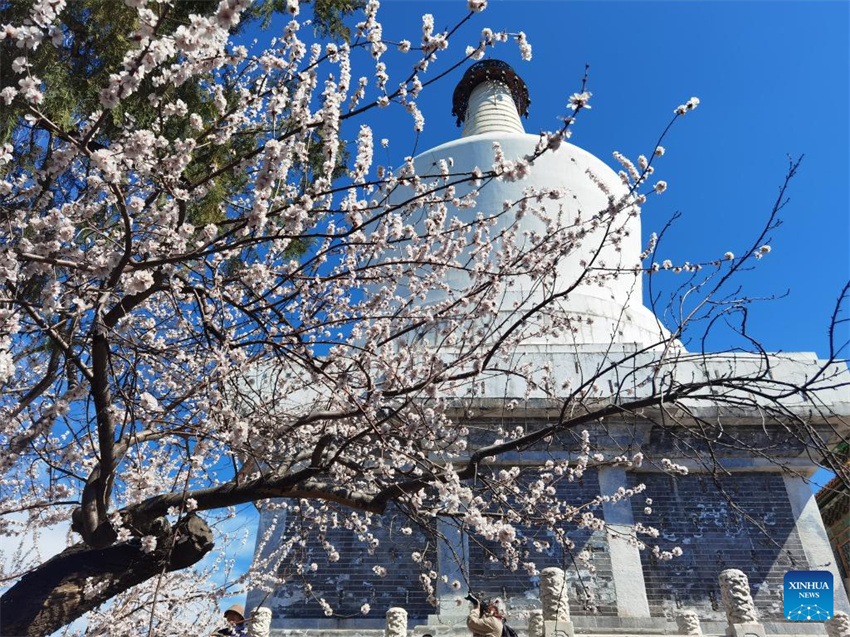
691	512
741	441
350	582
589	592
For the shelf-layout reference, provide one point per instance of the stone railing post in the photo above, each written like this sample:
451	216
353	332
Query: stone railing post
535	623
739	605
260	624
555	600
396	623
839	625
688	623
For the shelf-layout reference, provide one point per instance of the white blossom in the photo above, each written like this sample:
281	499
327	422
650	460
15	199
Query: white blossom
20	65
524	46
8	94
6	153
30	89
579	100
690	105
139	281
148	544
148	402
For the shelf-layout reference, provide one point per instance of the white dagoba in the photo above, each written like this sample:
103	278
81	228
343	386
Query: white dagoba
489	101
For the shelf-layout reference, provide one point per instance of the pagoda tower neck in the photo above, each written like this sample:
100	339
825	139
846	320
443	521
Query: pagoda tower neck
490	98
491	109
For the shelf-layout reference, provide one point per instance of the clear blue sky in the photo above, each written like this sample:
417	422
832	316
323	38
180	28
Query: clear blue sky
773	79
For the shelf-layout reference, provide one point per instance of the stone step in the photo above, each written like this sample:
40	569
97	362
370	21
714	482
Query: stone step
603	626
590	626
783	630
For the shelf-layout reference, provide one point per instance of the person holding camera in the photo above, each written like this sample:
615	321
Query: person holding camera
236	626
485	619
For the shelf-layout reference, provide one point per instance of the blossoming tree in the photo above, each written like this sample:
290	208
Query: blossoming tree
185	329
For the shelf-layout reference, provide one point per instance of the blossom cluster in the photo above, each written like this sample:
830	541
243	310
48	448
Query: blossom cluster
217	304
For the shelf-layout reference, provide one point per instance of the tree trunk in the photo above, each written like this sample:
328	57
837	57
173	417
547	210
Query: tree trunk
52	595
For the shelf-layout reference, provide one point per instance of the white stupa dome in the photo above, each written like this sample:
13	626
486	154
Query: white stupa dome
489	101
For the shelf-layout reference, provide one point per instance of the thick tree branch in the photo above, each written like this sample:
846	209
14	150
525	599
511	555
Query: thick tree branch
82	578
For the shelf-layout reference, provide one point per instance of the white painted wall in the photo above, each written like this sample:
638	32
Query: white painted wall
608	312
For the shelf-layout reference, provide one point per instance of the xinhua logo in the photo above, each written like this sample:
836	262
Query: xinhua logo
808	596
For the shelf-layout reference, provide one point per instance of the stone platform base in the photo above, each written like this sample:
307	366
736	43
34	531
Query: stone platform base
596	626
